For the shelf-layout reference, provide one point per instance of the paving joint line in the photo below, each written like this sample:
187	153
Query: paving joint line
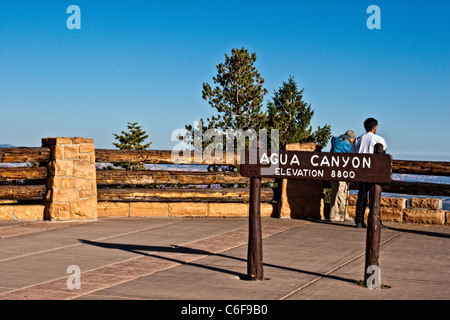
334	269
76	244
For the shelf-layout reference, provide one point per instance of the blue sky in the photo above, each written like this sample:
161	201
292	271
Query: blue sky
146	61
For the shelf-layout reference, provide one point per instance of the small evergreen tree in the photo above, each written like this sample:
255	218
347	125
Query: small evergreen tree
288	113
132	140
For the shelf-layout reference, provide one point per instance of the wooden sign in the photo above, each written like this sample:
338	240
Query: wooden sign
321	166
372	168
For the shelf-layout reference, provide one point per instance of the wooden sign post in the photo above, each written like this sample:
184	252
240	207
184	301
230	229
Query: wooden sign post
254	255
372	277
314	166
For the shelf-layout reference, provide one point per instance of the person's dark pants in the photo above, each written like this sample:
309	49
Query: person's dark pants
361	202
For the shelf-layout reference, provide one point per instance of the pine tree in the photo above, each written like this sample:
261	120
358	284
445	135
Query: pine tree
132	140
238	99
288	113
239	93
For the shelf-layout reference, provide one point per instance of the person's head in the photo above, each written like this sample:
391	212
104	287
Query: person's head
349	135
371	125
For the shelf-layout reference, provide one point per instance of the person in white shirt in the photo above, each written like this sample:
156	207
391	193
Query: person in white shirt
365	144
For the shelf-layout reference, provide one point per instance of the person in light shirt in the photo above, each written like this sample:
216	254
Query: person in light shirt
366	144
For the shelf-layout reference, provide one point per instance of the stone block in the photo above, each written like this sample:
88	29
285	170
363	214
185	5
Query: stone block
83	162
66	183
113	209
86	193
148	209
424	216
47	142
85	148
6	212
64	195
71	152
57	152
391	202
64	216
84	172
83	209
188	209
386	213
268	210
228	210
29	212
62	167
85	156
447	218
56	211
351	210
82	184
79	140
391	214
94	188
426	203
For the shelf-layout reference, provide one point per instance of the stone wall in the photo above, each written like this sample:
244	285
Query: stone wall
420	210
179	209
427	211
10	210
391	209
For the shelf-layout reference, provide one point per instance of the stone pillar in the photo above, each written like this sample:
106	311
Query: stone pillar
298	198
71	182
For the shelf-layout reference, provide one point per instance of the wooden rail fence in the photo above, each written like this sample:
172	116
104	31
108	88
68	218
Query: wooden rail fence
123	177
23	183
28	183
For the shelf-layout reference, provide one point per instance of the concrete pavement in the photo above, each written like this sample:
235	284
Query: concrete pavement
205	259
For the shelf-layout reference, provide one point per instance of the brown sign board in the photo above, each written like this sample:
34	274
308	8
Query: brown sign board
317	166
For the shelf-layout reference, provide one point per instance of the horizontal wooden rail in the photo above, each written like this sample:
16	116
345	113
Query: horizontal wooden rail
418	188
145	177
411	188
23	173
18	155
157	157
421	167
26	192
182	195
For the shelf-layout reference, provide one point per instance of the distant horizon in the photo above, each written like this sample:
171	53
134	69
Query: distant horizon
411	156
